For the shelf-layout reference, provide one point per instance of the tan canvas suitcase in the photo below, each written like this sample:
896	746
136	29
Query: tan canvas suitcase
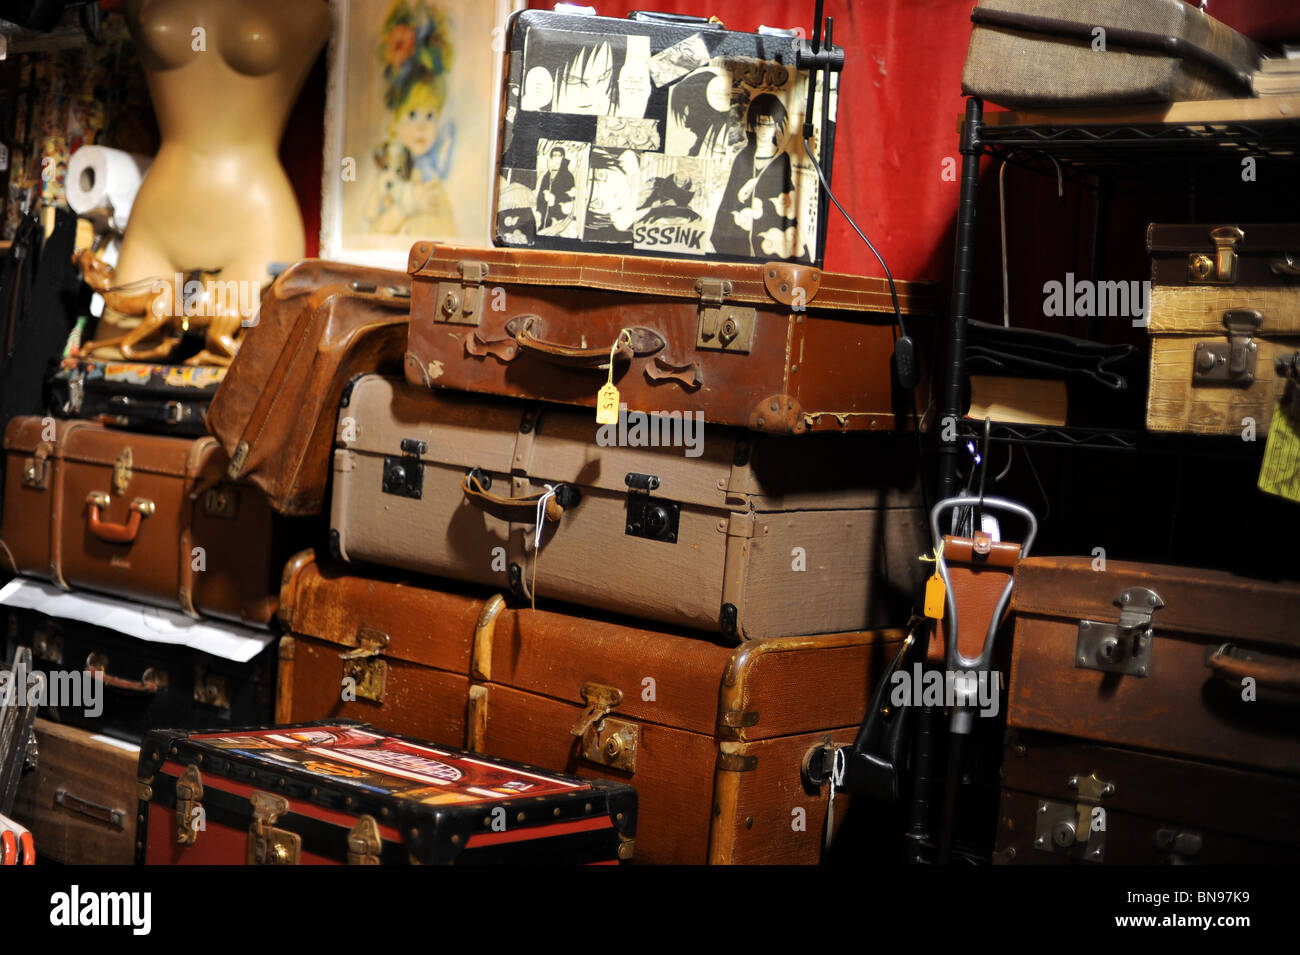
754	536
712	737
80	800
1225	309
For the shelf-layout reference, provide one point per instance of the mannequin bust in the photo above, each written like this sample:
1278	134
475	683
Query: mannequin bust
223	75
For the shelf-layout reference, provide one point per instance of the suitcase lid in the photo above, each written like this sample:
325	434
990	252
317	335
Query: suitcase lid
781	283
433	799
179	457
1209	602
399	621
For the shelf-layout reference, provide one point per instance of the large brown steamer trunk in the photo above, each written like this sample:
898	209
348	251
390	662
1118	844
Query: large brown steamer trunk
713	738
777	347
320	324
146	517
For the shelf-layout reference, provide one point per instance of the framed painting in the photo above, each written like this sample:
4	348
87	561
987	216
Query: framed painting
411	124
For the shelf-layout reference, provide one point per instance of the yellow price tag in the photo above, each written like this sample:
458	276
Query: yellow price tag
607	405
934	594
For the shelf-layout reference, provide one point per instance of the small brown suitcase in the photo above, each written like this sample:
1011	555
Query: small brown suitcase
778	347
713	738
1225	309
146	517
754	536
1193	663
1066	801
80	800
321	323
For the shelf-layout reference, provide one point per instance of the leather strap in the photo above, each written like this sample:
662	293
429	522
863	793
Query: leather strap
476	494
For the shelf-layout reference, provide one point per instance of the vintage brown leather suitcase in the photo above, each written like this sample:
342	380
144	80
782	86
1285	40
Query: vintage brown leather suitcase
320	324
80	800
1066	801
713	738
146	517
754	536
1225	309
1191	663
776	347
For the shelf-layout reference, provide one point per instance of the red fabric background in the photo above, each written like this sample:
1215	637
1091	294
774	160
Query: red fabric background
900	99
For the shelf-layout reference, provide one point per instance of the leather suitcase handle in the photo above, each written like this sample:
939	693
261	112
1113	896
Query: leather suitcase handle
147	684
1271	673
566	495
110	532
631	342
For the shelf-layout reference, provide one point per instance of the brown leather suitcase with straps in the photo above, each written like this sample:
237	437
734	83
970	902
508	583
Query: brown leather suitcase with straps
780	347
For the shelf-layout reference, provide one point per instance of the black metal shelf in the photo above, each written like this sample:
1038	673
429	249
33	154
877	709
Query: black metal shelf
1109	439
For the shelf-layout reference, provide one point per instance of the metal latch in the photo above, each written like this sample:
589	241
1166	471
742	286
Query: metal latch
1221	268
651	518
236	466
404	475
221	502
1123	647
36	469
461	303
211	689
606	740
266	844
1078	829
723	327
1232	363
122	471
189	793
364	844
369	675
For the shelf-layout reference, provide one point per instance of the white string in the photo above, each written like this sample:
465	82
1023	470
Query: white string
541	516
837	768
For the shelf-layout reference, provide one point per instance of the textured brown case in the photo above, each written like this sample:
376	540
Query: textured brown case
1199	274
167	497
1158	810
1212	632
771	536
320	324
777	347
713	738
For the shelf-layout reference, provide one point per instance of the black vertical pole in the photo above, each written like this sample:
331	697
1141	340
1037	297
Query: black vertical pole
963	263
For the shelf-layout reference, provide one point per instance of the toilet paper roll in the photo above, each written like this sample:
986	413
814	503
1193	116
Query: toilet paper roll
104	178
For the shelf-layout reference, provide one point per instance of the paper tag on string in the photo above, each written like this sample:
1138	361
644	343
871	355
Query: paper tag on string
607	405
1280	472
934	595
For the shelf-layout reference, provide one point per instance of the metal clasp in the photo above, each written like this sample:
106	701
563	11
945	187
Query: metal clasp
1123	647
1232	363
723	327
364	843
1077	829
189	792
606	740
266	844
1221	268
461	303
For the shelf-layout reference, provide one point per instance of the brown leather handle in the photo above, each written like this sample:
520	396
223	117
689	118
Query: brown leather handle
110	532
631	342
1273	673
477	494
147	684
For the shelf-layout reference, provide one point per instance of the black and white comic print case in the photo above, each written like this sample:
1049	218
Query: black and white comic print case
658	138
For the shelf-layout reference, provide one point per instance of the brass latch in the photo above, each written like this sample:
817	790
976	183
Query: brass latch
362	666
1232	363
122	472
461	303
266	844
606	740
364	844
1077	829
1221	268
189	792
723	327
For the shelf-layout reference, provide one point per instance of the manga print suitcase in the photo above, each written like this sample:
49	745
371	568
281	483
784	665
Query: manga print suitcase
146	517
777	347
339	792
715	727
167	399
748	535
658	135
1065	801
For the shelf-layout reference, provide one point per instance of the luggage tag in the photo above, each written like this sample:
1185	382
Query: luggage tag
1279	473
607	397
935	592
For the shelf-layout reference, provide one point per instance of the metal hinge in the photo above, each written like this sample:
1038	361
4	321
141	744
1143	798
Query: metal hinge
1232	363
266	844
461	303
1076	829
723	327
606	740
404	475
364	843
1123	647
1220	268
189	793
654	519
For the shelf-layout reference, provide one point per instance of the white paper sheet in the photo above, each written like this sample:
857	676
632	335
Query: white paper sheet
226	640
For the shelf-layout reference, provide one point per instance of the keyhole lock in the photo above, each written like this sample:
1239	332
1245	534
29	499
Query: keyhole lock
451	304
